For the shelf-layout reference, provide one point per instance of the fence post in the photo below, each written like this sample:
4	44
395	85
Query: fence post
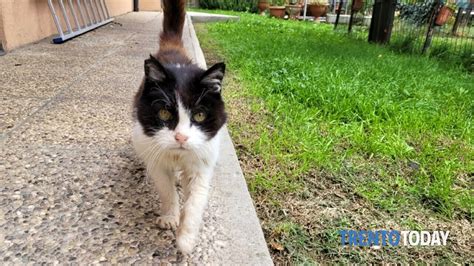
382	21
458	20
341	3
351	19
431	24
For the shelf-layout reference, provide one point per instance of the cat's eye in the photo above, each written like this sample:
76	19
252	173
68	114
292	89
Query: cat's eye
199	117
164	114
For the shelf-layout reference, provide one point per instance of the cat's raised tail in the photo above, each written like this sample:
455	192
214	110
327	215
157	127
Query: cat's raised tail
173	23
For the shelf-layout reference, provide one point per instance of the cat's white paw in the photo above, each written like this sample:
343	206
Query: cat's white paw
185	242
168	222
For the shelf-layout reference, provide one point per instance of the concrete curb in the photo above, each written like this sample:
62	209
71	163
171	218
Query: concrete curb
229	191
198	17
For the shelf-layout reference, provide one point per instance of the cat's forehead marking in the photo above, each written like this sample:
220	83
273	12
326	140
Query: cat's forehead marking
184	120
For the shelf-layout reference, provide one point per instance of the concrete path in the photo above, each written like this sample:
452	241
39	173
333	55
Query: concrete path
71	187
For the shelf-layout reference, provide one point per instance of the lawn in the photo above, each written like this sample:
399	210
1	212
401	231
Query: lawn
334	133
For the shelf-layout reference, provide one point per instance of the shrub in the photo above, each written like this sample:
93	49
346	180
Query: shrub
416	13
235	5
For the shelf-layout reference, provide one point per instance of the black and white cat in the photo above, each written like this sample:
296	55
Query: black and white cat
179	113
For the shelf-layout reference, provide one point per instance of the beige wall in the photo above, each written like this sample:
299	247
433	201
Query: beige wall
149	5
26	21
119	7
2	38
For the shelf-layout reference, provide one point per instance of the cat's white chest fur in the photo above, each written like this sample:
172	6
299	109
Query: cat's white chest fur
195	164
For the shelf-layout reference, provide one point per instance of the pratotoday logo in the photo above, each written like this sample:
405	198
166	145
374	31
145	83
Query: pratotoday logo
367	238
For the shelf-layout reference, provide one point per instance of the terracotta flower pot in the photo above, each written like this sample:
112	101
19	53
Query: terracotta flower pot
317	10
357	5
277	11
262	6
443	15
293	11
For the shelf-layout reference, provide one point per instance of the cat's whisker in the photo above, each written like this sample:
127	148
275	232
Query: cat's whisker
151	156
147	150
203	93
163	93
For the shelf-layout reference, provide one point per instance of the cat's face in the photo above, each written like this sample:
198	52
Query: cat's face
181	105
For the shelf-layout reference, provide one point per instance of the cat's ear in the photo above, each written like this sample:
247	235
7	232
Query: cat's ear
154	70
212	78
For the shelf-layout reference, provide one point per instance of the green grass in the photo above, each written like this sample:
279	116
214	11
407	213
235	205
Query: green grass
394	130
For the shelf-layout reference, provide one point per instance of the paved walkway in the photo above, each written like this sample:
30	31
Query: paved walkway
71	187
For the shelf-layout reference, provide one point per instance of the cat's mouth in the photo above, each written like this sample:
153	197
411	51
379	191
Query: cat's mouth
180	148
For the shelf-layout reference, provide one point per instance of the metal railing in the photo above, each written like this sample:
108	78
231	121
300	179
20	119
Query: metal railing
85	14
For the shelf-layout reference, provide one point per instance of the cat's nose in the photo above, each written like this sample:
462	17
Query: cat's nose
180	138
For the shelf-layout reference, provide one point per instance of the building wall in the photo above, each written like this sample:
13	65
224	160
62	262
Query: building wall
149	5
119	7
2	37
26	21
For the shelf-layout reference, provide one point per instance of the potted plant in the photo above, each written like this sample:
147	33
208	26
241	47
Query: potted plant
294	9
262	6
318	8
277	8
445	12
